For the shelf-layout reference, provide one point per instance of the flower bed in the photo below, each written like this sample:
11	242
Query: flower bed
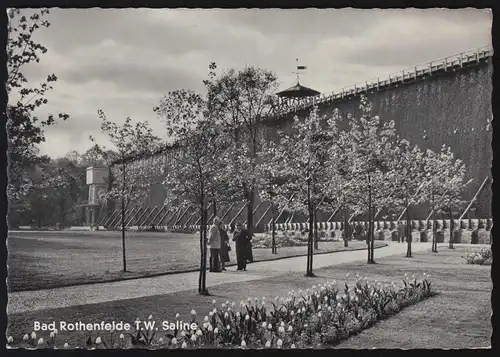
318	317
481	257
286	239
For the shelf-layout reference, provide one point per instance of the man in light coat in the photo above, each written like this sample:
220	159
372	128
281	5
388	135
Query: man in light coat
214	240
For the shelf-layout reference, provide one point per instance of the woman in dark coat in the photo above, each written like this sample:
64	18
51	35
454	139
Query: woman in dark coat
224	248
243	247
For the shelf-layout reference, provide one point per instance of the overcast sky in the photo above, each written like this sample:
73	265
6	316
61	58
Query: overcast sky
124	61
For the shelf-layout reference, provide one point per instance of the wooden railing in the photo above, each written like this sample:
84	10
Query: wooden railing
417	72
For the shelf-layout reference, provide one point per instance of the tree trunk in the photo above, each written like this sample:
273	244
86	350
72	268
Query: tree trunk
408	231
310	244
215	209
251	198
434	228
372	237
346	227
316	247
202	252
123	222
451	227
369	237
273	246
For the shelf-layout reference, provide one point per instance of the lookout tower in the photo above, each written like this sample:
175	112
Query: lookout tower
96	180
294	95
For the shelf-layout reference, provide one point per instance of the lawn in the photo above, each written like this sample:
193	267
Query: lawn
459	317
52	259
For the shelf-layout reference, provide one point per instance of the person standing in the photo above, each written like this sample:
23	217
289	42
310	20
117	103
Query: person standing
225	248
214	240
243	246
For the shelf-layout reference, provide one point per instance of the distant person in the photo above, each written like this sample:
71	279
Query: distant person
243	246
214	240
225	248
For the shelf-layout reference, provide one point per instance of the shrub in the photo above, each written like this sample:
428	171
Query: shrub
287	239
481	257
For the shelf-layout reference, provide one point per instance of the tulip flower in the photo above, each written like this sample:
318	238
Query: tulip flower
216	331
122	336
293	345
10	340
33	335
279	343
193	338
184	345
243	343
177	316
206	319
40	341
52	334
268	344
174	341
193	312
183	333
160	340
98	340
214	301
66	345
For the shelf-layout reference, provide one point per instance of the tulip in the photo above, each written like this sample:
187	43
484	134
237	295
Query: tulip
193	338
247	317
193	312
223	305
174	341
228	327
184	345
26	337
40	341
293	345
264	325
198	332
205	325
177	316
33	335
268	344
319	314
216	330
279	343
290	328
243	343
214	310
122	336
210	328
214	301
66	345
281	329
238	314
206	319
56	331
98	340
211	313
52	334
183	333
10	339
269	327
226	315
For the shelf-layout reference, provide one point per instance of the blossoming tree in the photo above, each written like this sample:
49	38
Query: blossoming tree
368	144
195	175
301	159
408	176
444	185
132	182
241	100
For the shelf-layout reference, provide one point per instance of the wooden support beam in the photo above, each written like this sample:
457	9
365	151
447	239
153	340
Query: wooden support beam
108	217
159	222
238	214
254	211
282	210
474	199
148	208
262	217
133	217
333	214
227	211
182	215
175	213
143	223
118	218
156	215
190	218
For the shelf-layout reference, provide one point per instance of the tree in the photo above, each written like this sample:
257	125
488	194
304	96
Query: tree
241	100
195	175
368	145
24	130
132	181
302	159
408	176
444	186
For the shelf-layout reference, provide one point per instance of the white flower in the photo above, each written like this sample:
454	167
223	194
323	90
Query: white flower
290	328
193	338
292	313
223	305
319	307
40	341
269	326
319	314
226	315
347	275
279	343
242	303
243	343
193	312
10	339
66	345
122	336
177	315
205	319
211	313
210	328
214	310
282	324
174	341
325	298
214	301
52	334
249	299
238	314
184	345
247	317
264	324
98	340
150	317
33	335
216	330
329	308
281	329
303	309
293	345
268	344
198	332
26	337
183	333
56	331
160	340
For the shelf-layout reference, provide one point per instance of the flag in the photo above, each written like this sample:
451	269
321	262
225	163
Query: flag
301	67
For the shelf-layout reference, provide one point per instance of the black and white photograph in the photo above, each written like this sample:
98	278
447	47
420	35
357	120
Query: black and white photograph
249	178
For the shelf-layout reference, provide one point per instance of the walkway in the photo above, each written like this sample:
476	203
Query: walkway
24	301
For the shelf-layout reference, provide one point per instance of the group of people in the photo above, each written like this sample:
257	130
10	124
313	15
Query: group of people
218	240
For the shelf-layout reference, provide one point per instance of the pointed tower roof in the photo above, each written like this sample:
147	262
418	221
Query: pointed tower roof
297	91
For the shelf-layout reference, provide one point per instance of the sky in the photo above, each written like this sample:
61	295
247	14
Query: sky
124	61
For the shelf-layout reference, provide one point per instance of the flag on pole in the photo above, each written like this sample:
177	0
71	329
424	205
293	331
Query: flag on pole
301	67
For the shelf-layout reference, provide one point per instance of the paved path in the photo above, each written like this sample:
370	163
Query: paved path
127	289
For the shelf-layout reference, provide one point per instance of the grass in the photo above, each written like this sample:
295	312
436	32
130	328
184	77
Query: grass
39	260
459	317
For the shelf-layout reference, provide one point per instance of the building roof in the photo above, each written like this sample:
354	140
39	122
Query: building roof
298	91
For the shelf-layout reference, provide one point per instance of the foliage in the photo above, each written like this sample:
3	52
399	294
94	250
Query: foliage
283	239
24	129
240	101
481	257
318	317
